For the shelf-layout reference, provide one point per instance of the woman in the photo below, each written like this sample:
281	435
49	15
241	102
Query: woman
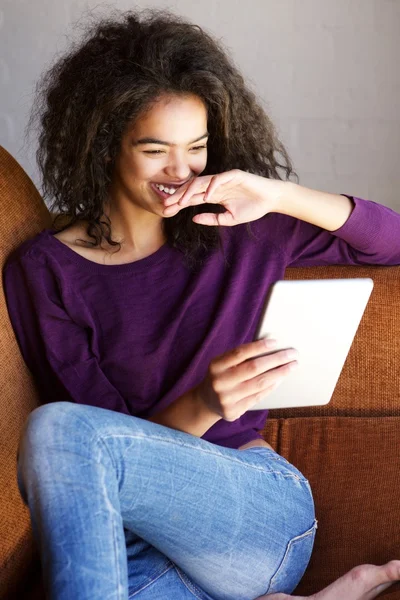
145	472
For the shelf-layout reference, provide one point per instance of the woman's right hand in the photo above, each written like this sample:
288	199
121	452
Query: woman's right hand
237	380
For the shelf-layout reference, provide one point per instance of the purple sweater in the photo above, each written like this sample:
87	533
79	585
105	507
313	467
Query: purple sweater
134	337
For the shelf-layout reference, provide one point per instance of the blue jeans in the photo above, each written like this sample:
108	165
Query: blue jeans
125	508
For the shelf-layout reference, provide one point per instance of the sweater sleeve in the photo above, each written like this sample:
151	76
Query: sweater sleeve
55	347
371	235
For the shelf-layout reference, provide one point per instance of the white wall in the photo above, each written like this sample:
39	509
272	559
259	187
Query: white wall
326	70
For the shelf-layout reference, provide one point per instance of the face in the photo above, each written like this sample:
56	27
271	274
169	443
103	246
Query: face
166	147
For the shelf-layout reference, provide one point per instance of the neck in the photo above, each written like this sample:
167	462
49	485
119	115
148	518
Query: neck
138	230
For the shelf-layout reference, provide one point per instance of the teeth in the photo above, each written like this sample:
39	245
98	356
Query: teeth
169	191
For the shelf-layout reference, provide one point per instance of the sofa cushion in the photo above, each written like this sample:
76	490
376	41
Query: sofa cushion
353	466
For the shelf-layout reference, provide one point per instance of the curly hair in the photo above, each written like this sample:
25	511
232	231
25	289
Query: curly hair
123	64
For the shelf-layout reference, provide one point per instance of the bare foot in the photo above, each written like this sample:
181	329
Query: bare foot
364	582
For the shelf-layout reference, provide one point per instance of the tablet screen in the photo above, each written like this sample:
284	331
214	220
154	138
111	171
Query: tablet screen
319	318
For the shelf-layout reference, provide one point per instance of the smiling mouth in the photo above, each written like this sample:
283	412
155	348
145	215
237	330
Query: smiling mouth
162	193
168	189
164	190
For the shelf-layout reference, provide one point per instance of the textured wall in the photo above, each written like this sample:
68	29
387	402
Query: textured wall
327	71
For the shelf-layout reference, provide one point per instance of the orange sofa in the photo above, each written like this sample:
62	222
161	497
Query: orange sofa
349	449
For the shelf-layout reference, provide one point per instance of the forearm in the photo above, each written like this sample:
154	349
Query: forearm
187	413
325	210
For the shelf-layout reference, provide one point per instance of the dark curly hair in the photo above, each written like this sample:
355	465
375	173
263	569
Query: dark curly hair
107	80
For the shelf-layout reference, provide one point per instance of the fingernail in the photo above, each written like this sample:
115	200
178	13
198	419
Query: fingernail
270	343
293	365
292	353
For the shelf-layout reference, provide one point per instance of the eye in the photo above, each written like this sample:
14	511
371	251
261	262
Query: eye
199	147
153	151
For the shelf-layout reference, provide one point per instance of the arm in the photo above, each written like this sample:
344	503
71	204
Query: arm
308	225
234	384
317	228
55	348
325	210
188	413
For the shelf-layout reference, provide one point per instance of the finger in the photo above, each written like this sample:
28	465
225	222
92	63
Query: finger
171	211
271	378
247	403
176	196
208	187
197	199
200	185
206	219
194	196
197	186
216	182
256	366
252	400
255	369
244	404
193	200
242	353
220	219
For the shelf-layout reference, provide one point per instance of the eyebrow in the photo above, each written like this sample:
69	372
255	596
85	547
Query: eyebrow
149	140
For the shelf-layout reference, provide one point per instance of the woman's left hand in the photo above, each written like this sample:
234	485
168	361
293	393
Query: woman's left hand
246	197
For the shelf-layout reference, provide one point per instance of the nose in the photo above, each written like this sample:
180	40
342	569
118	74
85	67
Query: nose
178	168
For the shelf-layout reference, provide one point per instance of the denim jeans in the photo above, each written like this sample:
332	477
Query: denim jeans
125	508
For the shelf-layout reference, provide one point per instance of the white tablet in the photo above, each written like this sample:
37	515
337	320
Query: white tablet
319	318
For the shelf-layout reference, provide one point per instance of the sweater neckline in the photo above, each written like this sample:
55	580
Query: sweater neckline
142	264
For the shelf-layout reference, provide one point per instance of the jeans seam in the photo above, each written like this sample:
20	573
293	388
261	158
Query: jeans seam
151	582
171	441
189	584
303	536
99	440
117	557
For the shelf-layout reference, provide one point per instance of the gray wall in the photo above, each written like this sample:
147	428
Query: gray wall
326	70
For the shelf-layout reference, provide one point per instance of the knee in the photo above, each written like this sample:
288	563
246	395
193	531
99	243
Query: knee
49	432
38	429
44	423
53	426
